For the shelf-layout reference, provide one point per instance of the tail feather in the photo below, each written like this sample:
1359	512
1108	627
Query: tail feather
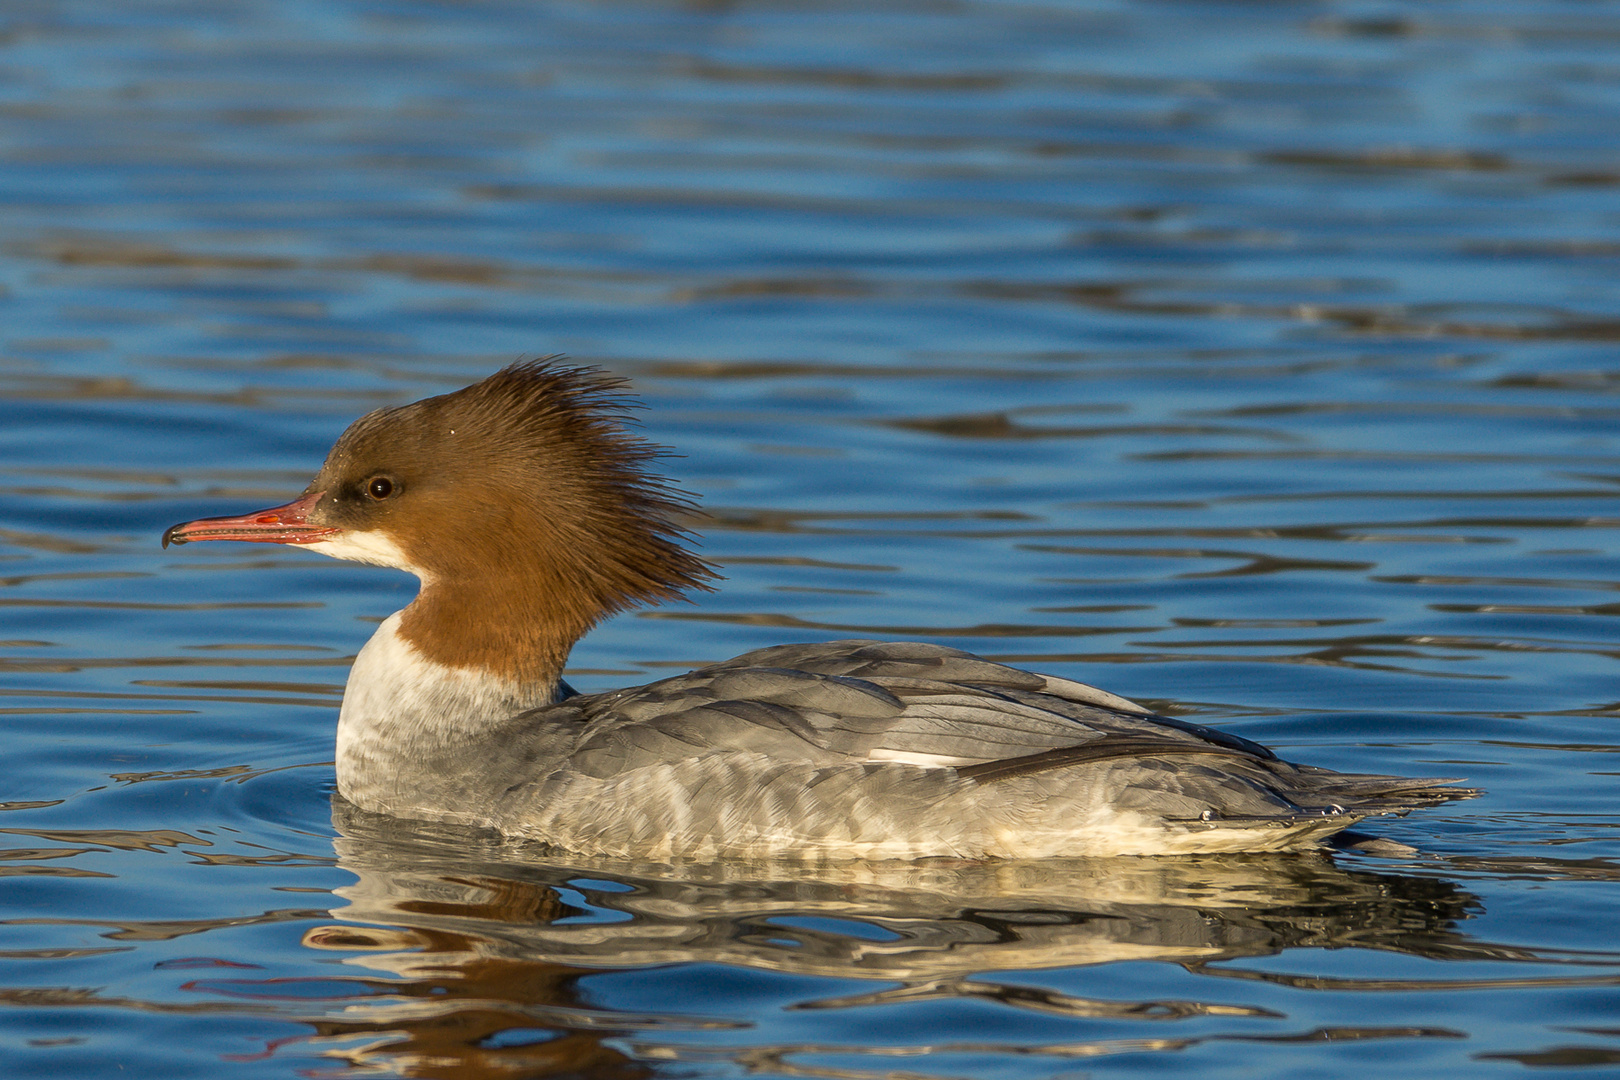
1365	794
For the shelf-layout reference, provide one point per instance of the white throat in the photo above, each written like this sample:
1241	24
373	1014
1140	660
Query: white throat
399	706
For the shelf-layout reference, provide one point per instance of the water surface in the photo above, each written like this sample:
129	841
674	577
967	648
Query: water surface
1252	361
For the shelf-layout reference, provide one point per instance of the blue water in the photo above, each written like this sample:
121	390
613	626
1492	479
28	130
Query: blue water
1252	361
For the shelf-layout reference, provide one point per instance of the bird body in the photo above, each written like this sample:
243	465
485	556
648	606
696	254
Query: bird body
529	514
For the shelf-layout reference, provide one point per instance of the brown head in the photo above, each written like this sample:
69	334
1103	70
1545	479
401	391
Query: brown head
521	502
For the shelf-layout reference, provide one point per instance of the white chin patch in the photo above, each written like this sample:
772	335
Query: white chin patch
365	547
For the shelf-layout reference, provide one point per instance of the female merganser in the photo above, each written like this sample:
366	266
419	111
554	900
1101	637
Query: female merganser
528	513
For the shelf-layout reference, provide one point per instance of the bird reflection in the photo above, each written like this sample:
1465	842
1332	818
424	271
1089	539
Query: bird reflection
473	946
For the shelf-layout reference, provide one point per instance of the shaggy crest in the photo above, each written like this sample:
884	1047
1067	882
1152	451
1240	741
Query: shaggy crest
537	455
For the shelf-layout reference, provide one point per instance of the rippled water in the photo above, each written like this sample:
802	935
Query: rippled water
1253	361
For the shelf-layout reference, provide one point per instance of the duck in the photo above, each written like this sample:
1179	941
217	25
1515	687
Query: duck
530	511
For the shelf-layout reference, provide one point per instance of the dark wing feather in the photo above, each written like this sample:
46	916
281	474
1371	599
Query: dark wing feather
1103	749
840	702
869	701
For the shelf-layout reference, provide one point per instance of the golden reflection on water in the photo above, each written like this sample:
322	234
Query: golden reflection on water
459	942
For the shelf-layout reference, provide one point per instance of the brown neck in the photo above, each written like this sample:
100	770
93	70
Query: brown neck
515	629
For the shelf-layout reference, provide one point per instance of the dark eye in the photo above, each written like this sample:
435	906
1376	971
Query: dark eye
379	487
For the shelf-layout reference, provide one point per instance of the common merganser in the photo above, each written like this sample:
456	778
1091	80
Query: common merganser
529	513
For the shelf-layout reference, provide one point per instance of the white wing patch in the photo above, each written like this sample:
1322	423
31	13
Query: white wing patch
927	761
